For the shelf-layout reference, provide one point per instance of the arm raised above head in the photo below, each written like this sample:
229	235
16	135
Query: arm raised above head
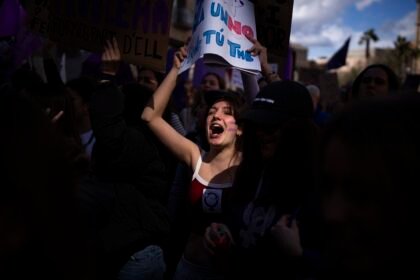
184	149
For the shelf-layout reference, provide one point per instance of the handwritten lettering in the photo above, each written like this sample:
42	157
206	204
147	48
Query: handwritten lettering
207	34
236	52
140	46
232	24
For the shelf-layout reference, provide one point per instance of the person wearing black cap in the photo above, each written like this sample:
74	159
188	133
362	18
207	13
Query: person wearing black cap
271	184
213	172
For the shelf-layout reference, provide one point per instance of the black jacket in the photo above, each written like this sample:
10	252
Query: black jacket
126	196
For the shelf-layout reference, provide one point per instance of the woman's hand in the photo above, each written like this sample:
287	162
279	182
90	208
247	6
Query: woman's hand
217	238
287	237
261	51
111	57
179	57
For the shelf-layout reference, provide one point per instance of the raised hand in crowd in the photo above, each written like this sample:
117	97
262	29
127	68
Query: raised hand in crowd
179	57
286	234
111	57
261	51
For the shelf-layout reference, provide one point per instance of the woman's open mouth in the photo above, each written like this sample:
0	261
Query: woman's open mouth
216	129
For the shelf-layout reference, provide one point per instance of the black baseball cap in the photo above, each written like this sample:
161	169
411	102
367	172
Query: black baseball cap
278	102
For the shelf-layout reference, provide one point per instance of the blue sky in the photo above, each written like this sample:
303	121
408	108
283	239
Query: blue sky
324	25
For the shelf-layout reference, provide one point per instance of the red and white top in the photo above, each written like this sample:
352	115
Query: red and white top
208	199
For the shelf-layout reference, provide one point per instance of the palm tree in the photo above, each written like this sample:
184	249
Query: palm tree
403	51
366	38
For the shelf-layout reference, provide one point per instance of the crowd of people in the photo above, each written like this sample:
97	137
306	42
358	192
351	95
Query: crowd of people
110	180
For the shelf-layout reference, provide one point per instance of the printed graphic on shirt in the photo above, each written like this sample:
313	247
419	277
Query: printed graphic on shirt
212	200
256	221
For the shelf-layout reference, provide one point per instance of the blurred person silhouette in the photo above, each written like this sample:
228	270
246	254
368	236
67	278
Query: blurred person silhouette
369	161
55	102
370	165
375	80
320	116
125	196
273	184
81	91
40	231
136	95
149	78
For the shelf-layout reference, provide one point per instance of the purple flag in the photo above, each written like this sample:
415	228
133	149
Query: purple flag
286	73
9	18
339	58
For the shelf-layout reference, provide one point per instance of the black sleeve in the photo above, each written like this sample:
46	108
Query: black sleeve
124	152
106	109
51	72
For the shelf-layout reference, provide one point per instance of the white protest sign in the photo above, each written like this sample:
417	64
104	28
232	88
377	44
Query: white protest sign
220	30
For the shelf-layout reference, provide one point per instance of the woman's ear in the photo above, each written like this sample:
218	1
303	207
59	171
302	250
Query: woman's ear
239	131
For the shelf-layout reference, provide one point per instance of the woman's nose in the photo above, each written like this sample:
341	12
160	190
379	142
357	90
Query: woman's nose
216	115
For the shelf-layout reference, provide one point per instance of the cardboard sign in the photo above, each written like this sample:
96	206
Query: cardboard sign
140	26
219	34
274	20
